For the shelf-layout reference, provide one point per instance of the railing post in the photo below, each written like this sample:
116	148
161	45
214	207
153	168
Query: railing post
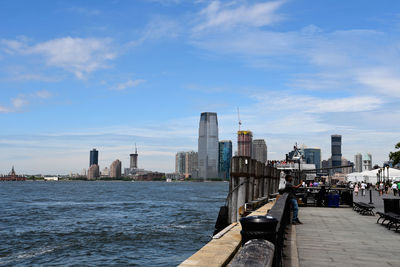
264	189
269	181
240	174
276	180
250	184
234	207
257	180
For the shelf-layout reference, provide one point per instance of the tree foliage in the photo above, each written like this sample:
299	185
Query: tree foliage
395	156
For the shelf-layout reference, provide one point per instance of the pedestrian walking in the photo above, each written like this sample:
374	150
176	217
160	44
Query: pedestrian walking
381	187
356	189
363	187
394	188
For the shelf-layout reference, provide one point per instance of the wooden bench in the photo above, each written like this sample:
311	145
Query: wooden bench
363	208
392	218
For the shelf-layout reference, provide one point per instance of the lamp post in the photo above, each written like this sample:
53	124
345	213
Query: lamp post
388	172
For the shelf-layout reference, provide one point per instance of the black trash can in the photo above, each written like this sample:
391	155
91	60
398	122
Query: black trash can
258	227
391	205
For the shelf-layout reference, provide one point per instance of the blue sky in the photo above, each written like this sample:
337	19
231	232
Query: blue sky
107	74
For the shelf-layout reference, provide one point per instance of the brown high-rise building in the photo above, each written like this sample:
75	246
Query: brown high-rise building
115	169
93	172
245	143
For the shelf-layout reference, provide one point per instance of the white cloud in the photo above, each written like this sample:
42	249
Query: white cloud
79	56
382	80
19	102
128	84
228	15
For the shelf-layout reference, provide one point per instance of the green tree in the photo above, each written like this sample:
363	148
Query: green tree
395	156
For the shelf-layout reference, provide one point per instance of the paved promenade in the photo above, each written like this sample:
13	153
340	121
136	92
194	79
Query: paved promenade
342	237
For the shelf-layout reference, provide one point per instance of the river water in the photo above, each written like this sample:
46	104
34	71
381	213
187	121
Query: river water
106	223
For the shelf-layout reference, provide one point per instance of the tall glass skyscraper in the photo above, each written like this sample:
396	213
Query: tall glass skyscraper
208	145
336	149
224	158
312	155
94	157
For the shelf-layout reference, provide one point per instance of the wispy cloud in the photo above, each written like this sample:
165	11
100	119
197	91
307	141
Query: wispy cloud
158	28
20	102
43	94
85	11
382	80
230	14
16	104
128	84
275	101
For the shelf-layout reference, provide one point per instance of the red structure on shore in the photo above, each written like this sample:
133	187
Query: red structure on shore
12	177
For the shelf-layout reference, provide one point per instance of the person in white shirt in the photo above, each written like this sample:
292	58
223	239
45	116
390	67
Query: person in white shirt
394	188
363	186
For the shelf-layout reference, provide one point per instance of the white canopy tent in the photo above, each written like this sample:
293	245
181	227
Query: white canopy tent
371	176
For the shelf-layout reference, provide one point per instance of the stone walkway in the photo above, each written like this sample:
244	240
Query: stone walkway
342	237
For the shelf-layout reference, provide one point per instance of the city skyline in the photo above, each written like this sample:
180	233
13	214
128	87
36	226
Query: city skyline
106	74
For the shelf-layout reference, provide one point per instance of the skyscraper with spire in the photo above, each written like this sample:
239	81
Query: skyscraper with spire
134	159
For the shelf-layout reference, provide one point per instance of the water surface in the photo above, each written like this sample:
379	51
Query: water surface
106	223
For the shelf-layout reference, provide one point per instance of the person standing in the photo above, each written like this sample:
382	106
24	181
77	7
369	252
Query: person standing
291	190
394	188
356	189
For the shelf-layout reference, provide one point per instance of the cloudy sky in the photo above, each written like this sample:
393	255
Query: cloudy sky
107	74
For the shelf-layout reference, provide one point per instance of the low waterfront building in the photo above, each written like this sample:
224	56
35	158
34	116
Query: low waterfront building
12	176
105	172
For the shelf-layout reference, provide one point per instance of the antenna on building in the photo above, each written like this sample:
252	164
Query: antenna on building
135	149
240	122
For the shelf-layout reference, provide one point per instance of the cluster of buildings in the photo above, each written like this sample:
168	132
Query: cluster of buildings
94	170
309	158
213	158
115	169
